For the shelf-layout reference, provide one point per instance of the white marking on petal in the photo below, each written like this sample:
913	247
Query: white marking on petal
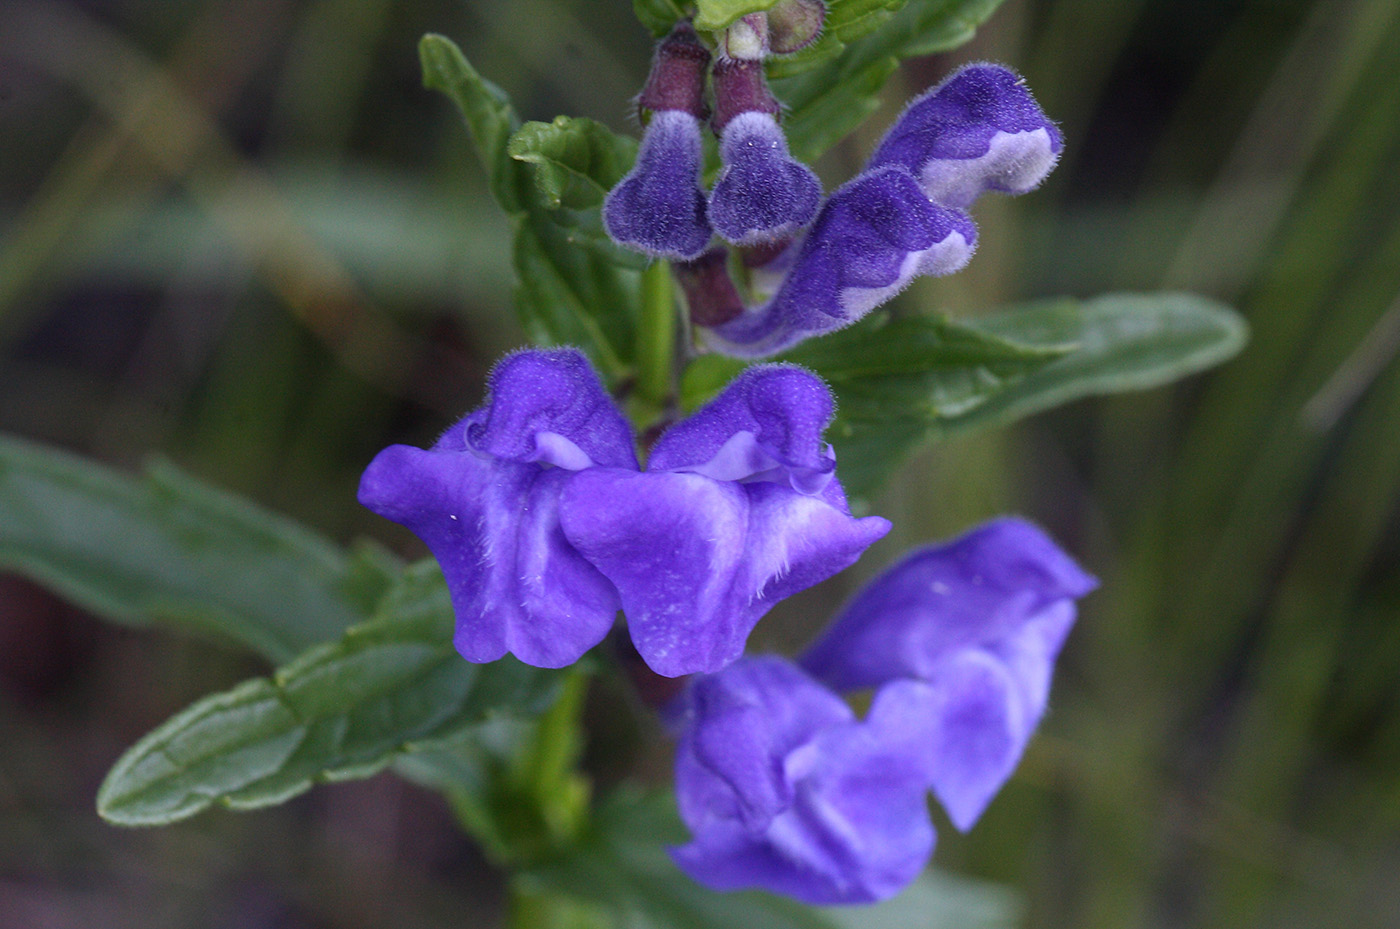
1015	162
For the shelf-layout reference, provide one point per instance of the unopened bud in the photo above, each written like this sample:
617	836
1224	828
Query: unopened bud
677	79
794	24
740	87
746	38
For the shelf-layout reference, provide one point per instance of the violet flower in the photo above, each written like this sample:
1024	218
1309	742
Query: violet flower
739	507
762	194
485	500
903	216
979	130
544	525
979	620
785	790
659	207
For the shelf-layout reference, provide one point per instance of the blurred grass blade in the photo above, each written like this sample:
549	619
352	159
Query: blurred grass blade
925	377
342	710
168	548
623	869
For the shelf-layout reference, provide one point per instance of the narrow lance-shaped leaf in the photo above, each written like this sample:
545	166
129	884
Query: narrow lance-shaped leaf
168	548
1106	345
342	710
486	108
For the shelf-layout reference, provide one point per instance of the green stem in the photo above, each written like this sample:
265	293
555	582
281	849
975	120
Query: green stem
656	340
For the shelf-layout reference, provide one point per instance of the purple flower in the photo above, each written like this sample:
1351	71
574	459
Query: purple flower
872	237
485	500
784	789
902	217
979	621
763	194
738	508
659	207
979	130
544	525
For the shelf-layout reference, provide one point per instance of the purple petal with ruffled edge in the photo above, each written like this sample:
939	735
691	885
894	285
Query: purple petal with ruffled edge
485	500
737	510
841	816
975	590
979	130
659	207
763	194
767	424
871	238
980	621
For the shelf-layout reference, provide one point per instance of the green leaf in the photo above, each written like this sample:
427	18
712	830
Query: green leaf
168	548
827	103
658	15
569	294
342	710
711	15
623	868
575	161
487	110
996	369
573	285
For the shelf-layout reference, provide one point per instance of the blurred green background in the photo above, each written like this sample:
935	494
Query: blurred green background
242	236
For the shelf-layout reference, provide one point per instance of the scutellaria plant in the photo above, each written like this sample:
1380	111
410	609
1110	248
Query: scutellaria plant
715	393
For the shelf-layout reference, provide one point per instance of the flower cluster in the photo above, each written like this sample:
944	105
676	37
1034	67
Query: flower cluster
546	524
822	265
786	790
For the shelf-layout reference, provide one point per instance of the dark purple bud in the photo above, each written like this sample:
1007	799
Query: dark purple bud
740	87
710	295
871	238
762	194
979	130
794	24
659	207
677	79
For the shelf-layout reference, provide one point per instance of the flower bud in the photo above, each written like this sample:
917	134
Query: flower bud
794	24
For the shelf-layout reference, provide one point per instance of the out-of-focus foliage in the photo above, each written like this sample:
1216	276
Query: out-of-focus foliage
244	235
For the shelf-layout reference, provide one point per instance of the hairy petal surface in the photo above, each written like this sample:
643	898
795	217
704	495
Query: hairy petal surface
763	194
979	130
978	622
659	207
485	500
870	239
